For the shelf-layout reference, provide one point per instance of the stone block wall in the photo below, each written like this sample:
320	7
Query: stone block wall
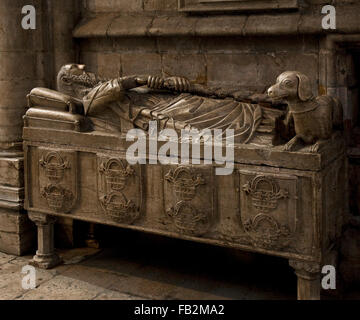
250	64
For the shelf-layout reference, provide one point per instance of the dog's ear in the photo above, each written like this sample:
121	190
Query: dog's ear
304	87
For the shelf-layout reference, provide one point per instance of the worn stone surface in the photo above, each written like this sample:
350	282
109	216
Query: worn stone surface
244	63
304	22
141	272
17	243
14	222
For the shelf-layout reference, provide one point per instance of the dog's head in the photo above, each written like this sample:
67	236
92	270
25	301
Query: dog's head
291	86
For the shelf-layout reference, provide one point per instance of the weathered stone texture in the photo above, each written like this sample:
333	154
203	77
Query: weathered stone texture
246	63
11	172
170	23
146	63
14	222
17	243
160	5
113	5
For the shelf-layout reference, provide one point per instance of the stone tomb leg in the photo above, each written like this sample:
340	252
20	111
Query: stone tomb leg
308	279
45	257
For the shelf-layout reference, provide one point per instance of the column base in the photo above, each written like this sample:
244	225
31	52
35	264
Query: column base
45	261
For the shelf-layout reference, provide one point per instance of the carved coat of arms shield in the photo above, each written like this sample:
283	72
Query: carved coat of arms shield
120	189
189	198
58	179
268	208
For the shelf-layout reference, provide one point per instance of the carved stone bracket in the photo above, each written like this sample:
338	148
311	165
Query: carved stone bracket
305	269
40	218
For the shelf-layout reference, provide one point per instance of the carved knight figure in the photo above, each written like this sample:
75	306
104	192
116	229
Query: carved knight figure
127	102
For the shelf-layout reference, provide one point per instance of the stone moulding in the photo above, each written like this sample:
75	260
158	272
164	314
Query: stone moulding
288	23
235	5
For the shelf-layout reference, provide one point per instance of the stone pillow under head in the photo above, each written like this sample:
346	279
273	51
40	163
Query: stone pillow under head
43	97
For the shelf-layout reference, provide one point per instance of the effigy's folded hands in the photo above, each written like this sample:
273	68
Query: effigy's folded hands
179	84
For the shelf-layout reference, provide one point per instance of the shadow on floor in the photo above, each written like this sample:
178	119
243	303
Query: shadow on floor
156	267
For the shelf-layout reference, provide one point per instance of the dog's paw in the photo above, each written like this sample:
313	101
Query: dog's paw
317	146
288	147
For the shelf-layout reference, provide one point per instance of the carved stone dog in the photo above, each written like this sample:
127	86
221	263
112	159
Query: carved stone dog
314	119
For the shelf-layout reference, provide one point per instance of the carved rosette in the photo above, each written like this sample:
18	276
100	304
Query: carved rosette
58	179
118	188
187	213
264	222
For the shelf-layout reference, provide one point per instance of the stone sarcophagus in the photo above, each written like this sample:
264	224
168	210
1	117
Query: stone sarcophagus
276	201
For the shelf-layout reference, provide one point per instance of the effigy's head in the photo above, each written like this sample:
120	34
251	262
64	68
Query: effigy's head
291	86
73	80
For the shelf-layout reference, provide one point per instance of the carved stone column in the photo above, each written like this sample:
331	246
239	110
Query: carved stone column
28	59
45	257
308	275
21	68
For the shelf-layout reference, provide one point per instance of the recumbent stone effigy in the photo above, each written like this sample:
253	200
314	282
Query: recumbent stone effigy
285	196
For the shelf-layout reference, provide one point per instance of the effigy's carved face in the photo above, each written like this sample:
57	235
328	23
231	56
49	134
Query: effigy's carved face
75	81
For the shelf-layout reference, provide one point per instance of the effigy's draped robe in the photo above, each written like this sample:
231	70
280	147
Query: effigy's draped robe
108	105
